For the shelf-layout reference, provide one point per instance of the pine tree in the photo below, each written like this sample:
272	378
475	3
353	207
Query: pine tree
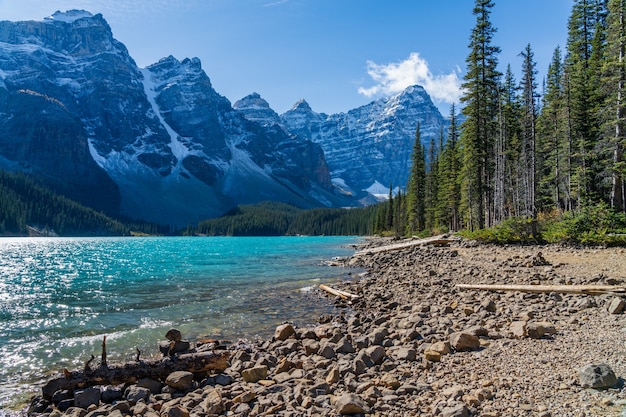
480	127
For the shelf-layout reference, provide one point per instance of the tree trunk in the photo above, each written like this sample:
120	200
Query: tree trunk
198	363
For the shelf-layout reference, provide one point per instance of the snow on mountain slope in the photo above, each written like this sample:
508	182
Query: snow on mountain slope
371	144
156	143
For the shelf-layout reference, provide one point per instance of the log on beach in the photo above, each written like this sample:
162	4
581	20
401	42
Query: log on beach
566	289
341	294
440	240
197	363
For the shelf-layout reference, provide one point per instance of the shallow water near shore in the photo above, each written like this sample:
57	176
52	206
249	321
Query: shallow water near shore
60	296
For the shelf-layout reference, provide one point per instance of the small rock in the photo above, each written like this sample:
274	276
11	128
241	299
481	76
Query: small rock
616	306
174	335
390	381
518	329
86	397
462	341
213	403
540	329
169	348
284	332
333	376
134	393
350	404
75	412
245	397
175	411
180	380
458	410
405	354
376	354
254	374
597	376
432	355
442	347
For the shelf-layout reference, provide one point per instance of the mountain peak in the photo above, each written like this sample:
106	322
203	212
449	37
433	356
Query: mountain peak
251	101
302	105
69	16
255	108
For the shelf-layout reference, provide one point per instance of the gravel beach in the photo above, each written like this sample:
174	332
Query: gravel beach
415	344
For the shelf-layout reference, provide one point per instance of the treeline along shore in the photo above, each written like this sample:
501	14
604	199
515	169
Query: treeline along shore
410	340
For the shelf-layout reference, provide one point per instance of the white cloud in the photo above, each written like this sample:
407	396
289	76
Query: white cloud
395	77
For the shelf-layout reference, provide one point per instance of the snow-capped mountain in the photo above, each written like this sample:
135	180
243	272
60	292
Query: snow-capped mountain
156	143
370	147
160	144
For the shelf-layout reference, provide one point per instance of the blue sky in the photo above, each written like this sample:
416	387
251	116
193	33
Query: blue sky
336	54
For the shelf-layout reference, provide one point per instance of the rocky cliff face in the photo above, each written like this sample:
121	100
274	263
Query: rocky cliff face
156	143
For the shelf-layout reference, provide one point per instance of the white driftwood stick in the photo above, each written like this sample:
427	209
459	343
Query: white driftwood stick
567	289
338	293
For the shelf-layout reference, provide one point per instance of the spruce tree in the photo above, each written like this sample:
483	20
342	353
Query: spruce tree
480	127
553	190
449	177
614	81
585	44
416	188
529	132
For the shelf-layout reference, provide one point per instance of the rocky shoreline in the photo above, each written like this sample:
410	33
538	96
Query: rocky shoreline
415	344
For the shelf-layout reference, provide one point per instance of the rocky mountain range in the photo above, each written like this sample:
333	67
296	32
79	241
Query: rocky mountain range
160	144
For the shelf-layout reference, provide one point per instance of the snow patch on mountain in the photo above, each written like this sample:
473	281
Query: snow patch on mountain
179	149
69	16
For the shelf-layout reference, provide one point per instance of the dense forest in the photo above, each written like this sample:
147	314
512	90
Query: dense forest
277	219
520	155
29	208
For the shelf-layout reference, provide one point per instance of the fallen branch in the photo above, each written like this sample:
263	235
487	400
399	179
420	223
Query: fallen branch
440	240
342	294
566	289
198	363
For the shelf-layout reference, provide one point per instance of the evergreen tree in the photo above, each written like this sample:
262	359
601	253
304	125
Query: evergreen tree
431	184
529	131
448	178
585	43
553	190
416	187
480	127
390	212
614	80
508	151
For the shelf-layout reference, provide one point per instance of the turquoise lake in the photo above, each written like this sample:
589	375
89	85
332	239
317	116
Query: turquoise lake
60	296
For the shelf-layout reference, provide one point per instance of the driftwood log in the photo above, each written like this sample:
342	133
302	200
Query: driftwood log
197	363
440	240
341	294
566	289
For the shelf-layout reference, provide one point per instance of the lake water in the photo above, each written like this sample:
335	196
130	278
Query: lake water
60	296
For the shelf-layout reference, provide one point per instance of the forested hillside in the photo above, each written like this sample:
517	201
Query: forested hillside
529	149
277	219
27	207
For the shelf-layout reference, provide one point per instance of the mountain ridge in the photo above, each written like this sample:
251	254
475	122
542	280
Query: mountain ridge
160	144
